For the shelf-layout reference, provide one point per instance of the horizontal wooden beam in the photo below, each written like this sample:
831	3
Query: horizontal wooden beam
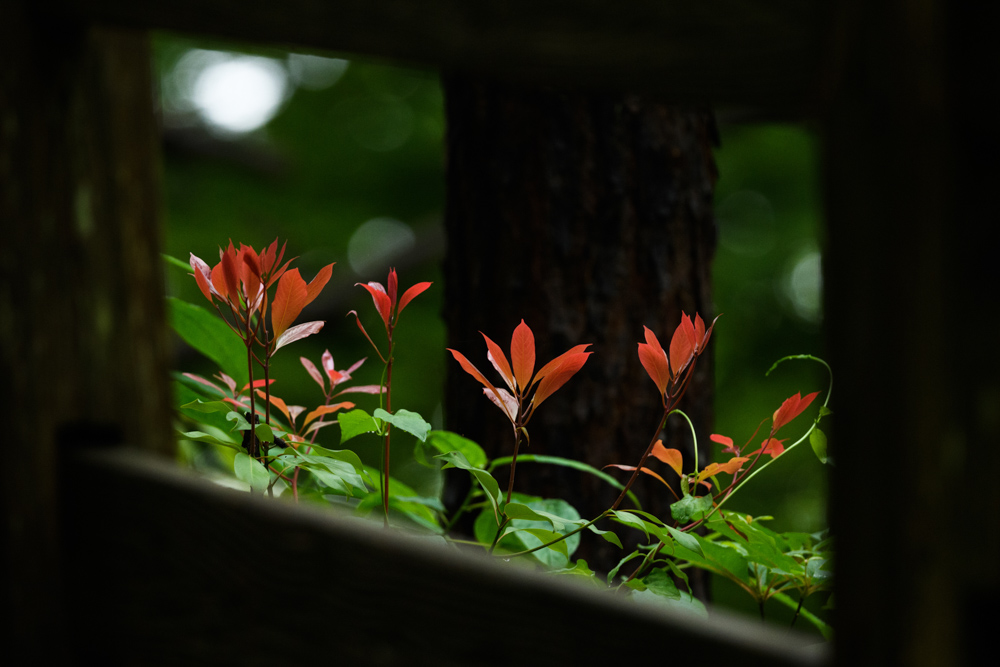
764	53
187	572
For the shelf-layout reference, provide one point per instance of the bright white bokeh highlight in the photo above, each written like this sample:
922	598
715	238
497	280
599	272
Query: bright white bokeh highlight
804	286
746	223
239	94
376	243
315	72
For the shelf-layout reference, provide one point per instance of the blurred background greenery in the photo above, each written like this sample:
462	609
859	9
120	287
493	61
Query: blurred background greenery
345	160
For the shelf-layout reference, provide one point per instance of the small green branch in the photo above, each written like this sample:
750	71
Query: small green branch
558	539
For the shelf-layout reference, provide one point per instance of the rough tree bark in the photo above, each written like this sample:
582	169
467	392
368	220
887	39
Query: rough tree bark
588	216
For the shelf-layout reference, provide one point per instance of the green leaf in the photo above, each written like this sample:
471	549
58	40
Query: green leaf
251	471
264	433
581	569
405	420
345	455
199	405
728	560
555	555
559	524
341	471
240	422
686	540
661	583
690	508
446	441
173	262
634	521
558	513
210	335
566	463
814	569
211	439
614	571
817	440
608	535
485	479
354	423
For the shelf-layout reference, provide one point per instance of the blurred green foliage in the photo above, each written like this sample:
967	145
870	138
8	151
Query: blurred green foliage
370	146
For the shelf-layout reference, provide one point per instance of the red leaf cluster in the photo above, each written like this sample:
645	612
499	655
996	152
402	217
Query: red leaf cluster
668	371
241	280
385	298
519	373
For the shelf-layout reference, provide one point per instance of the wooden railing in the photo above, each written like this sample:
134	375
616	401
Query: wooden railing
187	572
899	94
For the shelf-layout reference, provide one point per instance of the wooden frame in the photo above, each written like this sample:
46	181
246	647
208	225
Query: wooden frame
907	175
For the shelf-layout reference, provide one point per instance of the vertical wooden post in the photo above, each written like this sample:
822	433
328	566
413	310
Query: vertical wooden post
912	320
82	333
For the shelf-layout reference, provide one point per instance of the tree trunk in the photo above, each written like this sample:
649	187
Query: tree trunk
588	216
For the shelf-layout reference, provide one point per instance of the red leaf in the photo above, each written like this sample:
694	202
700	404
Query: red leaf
298	332
773	447
620	467
256	385
327	409
294	411
202	275
721	439
409	294
727	443
790	409
277	260
280	272
474	372
654	360
230	273
289	301
730	467
317	284
267	257
653	474
278	403
228	381
672	457
393	284
219	283
556	378
499	361
355	366
681	346
362	389
503	400
313	372
699	333
327	361
382	302
207	383
522	355
558	361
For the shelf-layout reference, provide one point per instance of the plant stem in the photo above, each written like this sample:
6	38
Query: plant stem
513	463
388	427
642	461
798	610
558	539
496	538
